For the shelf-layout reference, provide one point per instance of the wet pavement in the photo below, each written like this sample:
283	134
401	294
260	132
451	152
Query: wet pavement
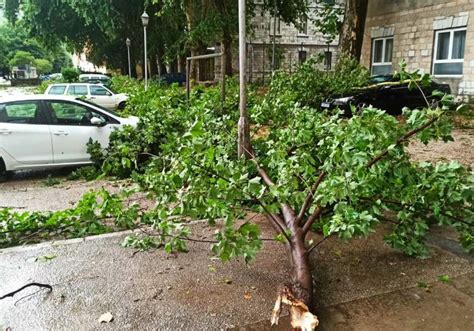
29	190
360	285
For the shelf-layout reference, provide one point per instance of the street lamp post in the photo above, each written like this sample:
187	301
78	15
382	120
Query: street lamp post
145	19
129	43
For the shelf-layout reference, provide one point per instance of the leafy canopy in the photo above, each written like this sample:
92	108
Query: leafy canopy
197	174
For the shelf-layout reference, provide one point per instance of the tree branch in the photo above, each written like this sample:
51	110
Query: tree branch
310	197
402	139
286	209
314	216
398	203
11	294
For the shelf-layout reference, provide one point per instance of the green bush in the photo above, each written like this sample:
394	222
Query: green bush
70	75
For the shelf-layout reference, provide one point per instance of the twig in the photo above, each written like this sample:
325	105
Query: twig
11	294
308	251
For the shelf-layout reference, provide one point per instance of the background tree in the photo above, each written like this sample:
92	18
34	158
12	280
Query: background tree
12	8
43	66
21	59
16	38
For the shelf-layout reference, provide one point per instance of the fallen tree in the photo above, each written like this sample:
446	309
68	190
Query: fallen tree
308	171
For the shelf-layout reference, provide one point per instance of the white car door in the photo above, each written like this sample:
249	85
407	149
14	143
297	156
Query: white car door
103	97
71	130
24	133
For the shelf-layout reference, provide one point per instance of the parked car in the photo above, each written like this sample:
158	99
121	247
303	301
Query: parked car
94	78
95	93
179	78
55	76
38	131
386	93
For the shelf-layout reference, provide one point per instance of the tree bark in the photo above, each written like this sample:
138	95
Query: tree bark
352	34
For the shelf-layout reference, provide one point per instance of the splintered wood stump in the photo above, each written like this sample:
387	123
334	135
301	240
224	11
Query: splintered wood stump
301	317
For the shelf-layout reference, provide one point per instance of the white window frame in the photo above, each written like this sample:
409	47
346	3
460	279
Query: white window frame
384	43
450	51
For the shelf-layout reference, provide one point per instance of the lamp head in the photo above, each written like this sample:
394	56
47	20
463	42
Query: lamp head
145	19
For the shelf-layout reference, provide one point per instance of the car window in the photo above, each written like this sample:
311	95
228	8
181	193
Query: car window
20	113
77	90
67	113
57	89
99	90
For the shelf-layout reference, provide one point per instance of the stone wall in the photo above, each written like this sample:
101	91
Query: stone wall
413	25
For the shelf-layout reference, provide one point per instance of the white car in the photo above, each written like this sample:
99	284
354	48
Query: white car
95	93
38	131
94	78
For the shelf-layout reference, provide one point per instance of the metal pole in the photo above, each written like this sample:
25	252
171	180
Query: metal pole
251	62
274	34
243	129
145	60
188	86
129	64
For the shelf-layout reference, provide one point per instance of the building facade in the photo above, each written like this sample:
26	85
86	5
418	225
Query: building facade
436	36
292	45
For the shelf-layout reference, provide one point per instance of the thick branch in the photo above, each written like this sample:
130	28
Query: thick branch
314	216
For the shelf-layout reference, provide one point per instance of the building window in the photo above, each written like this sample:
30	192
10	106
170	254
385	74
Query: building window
302	55
449	52
382	49
304	25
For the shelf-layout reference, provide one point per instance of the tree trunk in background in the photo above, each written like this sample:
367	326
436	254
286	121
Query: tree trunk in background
226	63
160	61
352	34
153	66
189	12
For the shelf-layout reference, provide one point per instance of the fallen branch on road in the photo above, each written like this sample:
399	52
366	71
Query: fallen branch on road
11	294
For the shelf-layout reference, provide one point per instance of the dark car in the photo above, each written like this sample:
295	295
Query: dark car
387	93
179	78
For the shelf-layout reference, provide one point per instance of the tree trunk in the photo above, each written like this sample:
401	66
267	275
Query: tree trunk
298	295
153	67
226	63
302	276
352	34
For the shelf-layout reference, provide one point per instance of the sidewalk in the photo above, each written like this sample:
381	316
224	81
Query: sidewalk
361	285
